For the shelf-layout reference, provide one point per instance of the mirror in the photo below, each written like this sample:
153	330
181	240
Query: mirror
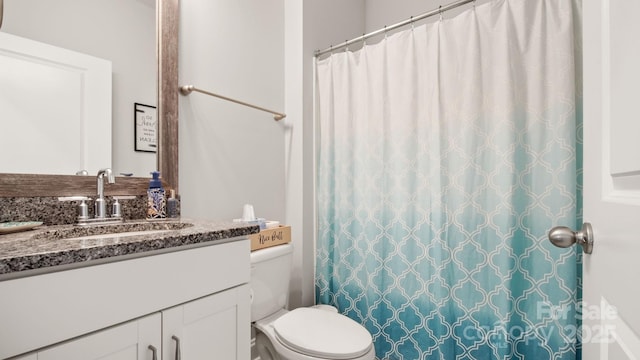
53	54
167	115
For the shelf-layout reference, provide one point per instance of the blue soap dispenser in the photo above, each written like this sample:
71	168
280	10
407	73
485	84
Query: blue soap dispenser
157	201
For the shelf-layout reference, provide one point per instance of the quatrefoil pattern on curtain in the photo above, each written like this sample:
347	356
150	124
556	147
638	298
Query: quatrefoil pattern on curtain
446	152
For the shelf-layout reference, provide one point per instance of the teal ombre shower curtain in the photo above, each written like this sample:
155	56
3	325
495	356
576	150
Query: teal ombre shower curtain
446	152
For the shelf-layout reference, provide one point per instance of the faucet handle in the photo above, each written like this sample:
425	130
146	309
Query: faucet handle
116	208
83	209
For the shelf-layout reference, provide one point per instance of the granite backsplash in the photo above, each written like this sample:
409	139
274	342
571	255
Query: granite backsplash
52	211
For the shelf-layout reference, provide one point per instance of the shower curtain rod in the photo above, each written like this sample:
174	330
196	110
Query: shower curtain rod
187	89
364	37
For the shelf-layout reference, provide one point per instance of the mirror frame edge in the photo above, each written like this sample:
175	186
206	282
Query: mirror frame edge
168	91
35	185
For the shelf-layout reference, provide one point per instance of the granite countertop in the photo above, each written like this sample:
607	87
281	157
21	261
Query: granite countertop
52	248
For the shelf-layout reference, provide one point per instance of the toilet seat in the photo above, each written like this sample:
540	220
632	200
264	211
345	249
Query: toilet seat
322	334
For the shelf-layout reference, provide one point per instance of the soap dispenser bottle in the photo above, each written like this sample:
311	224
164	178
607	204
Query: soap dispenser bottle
157	203
173	210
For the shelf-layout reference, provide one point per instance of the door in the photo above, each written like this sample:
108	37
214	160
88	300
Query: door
213	327
55	106
129	341
611	48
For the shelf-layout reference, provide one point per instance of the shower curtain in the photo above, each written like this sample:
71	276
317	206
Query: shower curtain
446	152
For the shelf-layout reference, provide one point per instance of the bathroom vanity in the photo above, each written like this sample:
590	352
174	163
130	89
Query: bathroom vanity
142	293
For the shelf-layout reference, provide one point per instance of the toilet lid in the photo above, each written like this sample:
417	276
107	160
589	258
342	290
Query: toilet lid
321	333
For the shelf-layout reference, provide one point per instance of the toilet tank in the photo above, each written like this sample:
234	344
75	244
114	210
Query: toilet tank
270	276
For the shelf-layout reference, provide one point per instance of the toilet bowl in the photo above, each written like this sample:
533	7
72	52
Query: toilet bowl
311	334
308	333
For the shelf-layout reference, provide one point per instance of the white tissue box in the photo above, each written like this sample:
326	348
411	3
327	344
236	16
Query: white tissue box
271	237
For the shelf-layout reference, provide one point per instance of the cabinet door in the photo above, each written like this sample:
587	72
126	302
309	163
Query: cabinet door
128	341
213	327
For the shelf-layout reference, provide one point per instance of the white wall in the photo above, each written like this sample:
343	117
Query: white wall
310	25
231	155
260	52
122	31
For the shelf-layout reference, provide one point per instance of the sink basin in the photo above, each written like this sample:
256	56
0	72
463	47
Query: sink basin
112	230
112	235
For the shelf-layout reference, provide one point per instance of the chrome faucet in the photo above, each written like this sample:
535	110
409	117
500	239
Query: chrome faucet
101	205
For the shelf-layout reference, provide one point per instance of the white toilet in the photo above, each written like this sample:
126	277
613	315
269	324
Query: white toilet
312	333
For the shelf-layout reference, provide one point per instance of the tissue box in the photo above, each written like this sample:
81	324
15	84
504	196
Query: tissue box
271	237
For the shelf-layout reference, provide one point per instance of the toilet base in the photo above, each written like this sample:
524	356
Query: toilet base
264	347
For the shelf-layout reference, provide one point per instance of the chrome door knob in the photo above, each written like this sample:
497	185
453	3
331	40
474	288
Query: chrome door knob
562	236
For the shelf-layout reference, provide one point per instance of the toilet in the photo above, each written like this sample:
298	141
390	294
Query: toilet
309	333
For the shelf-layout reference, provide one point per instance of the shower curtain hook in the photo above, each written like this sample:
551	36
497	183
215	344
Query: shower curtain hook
385	32
364	40
346	45
440	12
412	23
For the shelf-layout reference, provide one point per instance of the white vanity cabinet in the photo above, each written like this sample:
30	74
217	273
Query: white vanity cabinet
206	328
197	297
